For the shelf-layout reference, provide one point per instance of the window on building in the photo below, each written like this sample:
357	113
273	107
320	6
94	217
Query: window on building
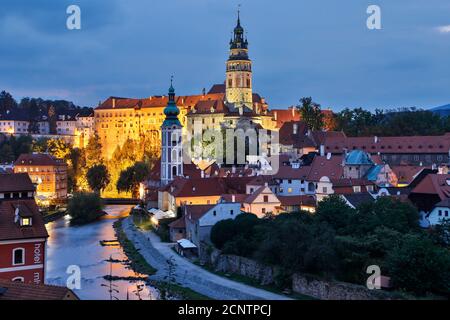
18	256
266	198
214	213
357	189
324	190
263	210
289	190
440	213
25	222
231	212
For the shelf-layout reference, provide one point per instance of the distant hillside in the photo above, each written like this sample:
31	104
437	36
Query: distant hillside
442	110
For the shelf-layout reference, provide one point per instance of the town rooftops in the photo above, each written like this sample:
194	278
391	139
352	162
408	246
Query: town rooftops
178	224
358	157
357	199
326	166
10	290
11	230
411	144
15	182
444	203
406	174
438	184
195	212
37	159
304	200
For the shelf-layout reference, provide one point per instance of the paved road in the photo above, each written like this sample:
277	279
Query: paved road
188	274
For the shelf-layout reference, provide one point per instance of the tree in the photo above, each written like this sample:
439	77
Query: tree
85	207
58	148
98	177
6	153
93	151
311	113
334	211
130	178
419	266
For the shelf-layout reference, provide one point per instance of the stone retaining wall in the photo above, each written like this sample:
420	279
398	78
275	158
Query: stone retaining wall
304	284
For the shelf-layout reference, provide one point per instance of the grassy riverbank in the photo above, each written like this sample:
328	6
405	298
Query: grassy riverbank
140	265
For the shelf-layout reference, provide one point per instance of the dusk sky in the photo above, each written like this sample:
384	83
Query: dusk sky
318	48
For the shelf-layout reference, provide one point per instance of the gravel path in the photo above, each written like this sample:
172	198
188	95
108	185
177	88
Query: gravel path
188	274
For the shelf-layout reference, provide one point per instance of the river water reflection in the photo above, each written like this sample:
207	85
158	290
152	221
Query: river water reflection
80	246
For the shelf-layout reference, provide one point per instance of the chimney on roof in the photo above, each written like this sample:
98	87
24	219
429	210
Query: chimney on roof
375	139
294	128
275	115
193	189
233	169
293	111
114	102
322	150
202	174
443	169
233	198
329	156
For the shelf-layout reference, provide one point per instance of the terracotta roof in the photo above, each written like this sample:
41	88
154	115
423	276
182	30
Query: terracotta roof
15	182
438	184
406	174
210	107
178	224
319	137
238	198
37	159
285	115
287	172
200	187
9	230
351	182
287	136
413	144
321	167
25	291
297	200
195	212
252	197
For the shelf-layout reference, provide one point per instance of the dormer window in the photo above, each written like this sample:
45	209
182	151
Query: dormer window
26	222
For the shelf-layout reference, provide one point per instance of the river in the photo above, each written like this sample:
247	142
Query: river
80	246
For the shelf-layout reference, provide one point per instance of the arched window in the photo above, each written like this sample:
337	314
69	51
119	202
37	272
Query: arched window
18	256
174	171
174	155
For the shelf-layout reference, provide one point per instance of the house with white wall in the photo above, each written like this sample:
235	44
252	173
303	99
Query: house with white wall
199	219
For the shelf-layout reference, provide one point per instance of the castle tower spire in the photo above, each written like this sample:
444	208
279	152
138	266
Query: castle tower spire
171	141
239	69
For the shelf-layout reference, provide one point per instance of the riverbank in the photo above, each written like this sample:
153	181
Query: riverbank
139	264
170	265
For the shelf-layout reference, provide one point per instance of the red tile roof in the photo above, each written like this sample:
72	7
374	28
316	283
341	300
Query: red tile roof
287	136
438	184
321	166
9	230
413	144
406	174
238	198
297	200
182	187
26	291
16	182
195	212
38	159
178	224
282	115
287	172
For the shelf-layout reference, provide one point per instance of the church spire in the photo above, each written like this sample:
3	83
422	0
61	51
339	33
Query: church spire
171	111
238	41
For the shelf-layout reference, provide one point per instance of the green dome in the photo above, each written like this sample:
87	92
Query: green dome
171	110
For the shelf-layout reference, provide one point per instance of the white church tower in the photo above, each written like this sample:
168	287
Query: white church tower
171	142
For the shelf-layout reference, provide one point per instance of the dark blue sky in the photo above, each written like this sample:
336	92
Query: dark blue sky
318	48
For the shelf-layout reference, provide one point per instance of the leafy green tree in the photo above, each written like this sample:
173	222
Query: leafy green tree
130	178
311	113
98	177
58	148
419	266
85	207
93	151
6	153
334	211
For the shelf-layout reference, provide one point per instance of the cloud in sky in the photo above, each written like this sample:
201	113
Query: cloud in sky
300	48
444	29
